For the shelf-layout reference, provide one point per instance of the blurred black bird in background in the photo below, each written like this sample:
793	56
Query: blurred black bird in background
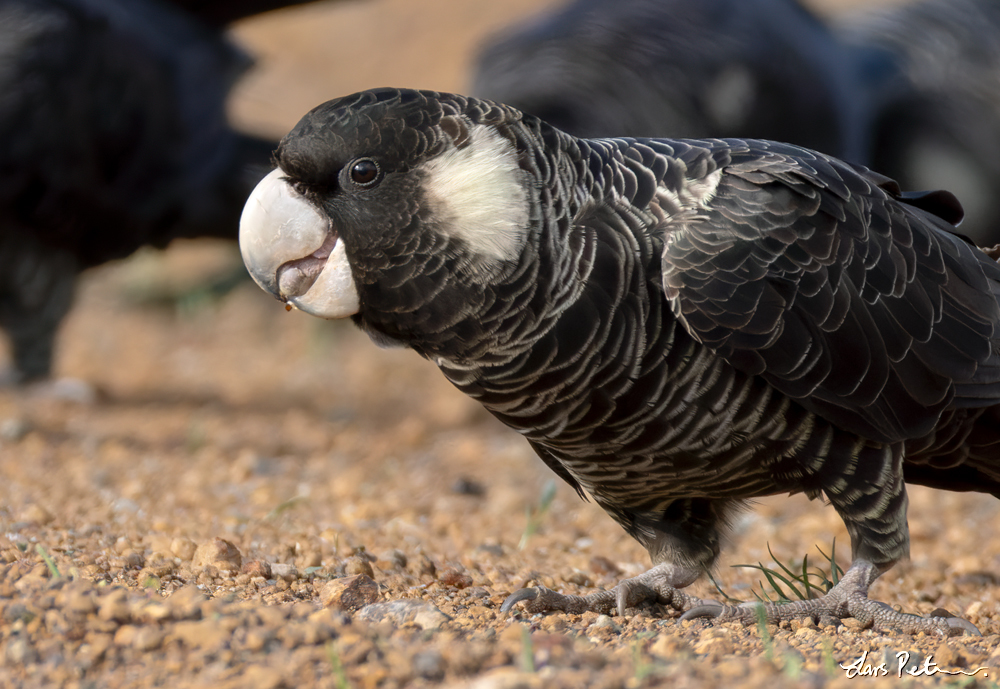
931	72
113	135
221	13
911	90
766	69
675	326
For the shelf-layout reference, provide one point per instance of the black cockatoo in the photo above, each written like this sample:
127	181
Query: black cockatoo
675	326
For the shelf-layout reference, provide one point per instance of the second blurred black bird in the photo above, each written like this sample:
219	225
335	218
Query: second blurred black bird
113	135
932	74
221	13
682	68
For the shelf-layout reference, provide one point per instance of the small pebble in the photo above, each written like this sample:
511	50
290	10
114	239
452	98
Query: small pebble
257	568
13	429
284	572
183	548
350	593
218	553
133	560
37	514
148	638
206	635
468	486
360	565
579	578
453	577
395	557
604	567
20	652
80	602
261	677
605	622
402	612
115	606
670	647
185	602
429	664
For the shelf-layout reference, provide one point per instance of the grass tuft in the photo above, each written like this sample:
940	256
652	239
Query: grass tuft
796	582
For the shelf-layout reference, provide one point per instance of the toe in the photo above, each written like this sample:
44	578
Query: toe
632	592
518	596
542	599
709	609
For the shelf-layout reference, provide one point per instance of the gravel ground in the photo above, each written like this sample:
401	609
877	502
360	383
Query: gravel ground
260	499
254	498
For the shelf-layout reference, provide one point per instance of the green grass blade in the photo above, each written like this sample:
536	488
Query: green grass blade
835	570
340	680
771	575
774	585
527	650
805	576
548	495
49	562
765	635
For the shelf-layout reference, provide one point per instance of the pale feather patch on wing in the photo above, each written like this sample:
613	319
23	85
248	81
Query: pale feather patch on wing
700	191
673	208
676	211
479	194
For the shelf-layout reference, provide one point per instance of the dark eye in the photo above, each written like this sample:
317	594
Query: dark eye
364	172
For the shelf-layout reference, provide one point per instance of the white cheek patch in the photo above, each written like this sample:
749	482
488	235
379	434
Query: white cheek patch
480	195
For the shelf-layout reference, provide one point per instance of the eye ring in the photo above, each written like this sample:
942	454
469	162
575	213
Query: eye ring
365	172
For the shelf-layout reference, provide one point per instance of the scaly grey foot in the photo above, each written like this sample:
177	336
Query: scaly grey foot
57	389
659	585
849	598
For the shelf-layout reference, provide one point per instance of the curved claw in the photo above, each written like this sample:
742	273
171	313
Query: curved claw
518	596
954	622
963	625
706	610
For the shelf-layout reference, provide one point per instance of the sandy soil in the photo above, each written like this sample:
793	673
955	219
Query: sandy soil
259	499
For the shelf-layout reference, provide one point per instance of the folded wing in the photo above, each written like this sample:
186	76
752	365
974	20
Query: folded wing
858	302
